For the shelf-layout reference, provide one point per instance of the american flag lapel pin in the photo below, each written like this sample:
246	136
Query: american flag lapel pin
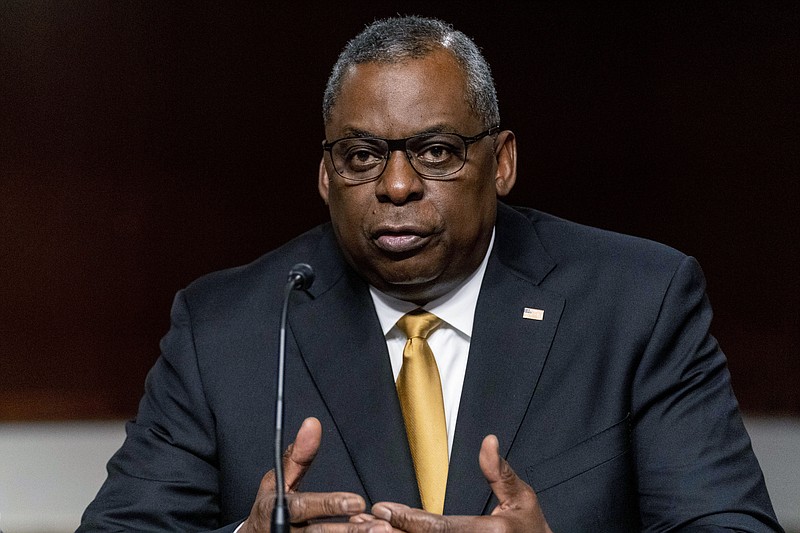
533	314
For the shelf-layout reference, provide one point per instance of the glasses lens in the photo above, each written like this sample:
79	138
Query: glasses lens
359	159
434	155
437	155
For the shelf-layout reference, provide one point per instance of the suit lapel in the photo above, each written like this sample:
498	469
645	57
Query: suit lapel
341	342
507	354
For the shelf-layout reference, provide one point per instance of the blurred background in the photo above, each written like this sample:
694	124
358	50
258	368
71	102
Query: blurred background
143	144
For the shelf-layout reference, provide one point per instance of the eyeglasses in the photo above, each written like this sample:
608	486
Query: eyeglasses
435	156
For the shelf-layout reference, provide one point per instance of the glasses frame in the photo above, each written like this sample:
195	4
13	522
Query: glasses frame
395	145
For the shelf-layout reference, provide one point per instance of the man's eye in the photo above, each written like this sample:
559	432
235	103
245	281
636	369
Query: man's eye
436	153
363	157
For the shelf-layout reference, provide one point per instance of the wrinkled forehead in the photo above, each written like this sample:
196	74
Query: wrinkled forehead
401	98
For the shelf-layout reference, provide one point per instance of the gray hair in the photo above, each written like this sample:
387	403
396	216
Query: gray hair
395	39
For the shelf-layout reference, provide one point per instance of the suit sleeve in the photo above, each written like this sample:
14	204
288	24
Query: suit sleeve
165	475
695	466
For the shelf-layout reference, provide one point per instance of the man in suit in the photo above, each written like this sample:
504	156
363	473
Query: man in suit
578	386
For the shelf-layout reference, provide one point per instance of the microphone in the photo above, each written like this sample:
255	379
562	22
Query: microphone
301	276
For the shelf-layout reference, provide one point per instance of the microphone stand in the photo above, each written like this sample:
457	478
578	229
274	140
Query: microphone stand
300	277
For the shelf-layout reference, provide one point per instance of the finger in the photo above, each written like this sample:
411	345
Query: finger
512	493
376	526
405	518
300	454
505	483
304	506
373	523
297	457
489	459
361	518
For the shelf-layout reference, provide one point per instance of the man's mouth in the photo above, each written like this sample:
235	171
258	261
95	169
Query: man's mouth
401	241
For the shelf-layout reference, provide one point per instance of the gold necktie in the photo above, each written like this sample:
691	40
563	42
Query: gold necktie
420	393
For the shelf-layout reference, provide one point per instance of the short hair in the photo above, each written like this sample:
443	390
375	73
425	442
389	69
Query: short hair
396	39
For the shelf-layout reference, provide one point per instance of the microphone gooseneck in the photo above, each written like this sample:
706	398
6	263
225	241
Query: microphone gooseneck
301	276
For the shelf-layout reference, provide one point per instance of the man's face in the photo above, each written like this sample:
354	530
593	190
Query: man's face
410	237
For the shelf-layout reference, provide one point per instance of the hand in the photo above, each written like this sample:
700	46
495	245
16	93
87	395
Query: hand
518	508
307	506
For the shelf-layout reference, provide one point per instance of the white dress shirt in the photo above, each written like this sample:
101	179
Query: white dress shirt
449	342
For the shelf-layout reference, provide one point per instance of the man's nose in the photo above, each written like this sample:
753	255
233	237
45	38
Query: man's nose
399	182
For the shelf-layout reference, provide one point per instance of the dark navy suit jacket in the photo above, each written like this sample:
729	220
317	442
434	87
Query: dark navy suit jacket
616	406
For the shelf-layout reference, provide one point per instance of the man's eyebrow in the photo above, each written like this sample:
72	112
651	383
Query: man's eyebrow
355	132
438	128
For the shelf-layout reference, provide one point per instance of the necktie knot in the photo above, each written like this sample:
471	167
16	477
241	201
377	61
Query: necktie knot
418	324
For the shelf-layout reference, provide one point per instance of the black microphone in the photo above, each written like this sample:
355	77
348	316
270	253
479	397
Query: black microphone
301	276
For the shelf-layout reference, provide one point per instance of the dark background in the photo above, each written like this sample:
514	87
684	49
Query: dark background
143	144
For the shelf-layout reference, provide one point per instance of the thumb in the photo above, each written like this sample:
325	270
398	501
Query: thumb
505	483
301	453
512	493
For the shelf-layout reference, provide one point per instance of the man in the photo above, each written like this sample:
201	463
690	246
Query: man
578	387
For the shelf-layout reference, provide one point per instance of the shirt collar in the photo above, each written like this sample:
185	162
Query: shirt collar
457	307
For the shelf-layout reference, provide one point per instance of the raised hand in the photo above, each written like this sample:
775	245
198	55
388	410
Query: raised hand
518	508
304	507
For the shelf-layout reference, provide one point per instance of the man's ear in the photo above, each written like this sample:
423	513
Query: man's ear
323	183
505	151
